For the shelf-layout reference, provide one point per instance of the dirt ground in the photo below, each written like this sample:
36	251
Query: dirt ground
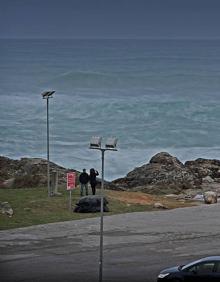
147	199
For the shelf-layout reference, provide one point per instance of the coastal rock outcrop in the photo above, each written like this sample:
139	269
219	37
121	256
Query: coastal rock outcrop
27	172
164	173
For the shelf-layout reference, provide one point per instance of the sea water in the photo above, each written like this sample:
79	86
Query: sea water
153	95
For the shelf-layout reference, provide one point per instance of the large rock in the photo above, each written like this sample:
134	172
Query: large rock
5	208
91	204
163	174
210	197
28	172
159	206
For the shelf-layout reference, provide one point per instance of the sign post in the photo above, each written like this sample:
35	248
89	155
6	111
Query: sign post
71	184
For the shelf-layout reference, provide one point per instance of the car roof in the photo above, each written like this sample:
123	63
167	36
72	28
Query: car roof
212	258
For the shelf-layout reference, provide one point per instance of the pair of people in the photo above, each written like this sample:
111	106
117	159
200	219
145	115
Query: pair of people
84	180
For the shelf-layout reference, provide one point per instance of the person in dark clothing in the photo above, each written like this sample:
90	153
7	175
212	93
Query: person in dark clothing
93	182
84	180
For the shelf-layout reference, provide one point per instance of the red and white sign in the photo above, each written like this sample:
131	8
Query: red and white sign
71	180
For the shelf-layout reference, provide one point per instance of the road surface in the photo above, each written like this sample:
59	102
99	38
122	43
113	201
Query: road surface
136	246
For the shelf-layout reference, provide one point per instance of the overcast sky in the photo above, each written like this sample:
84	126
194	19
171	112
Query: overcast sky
109	18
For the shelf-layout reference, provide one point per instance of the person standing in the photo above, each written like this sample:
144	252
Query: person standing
84	180
93	182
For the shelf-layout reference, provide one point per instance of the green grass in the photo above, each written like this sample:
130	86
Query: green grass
33	206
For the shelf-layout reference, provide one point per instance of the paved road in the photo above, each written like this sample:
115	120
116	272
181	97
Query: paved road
136	246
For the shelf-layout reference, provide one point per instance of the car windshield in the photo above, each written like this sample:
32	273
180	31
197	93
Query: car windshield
189	264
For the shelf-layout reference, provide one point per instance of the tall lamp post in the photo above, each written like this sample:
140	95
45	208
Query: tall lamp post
47	95
110	145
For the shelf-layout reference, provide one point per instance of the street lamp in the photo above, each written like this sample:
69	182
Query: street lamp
47	95
110	145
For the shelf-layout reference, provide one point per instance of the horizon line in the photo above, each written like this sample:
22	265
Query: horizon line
111	38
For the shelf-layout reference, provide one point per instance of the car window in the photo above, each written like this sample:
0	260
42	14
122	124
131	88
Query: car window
217	267
206	267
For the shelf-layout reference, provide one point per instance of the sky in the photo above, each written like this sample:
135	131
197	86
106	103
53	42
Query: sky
109	18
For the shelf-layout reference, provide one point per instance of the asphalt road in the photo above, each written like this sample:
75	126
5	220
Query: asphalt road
136	246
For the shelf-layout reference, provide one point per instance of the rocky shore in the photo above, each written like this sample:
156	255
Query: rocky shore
28	172
163	174
166	174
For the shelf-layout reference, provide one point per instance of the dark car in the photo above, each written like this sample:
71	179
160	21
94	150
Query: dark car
203	270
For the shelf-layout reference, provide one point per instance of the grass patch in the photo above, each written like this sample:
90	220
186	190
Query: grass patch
32	206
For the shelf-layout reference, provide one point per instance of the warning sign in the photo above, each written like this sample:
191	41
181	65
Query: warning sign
71	180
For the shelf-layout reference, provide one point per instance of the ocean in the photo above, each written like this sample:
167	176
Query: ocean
153	95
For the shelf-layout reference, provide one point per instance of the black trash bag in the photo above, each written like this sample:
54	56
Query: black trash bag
91	204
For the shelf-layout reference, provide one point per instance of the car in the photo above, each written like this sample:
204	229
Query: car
203	270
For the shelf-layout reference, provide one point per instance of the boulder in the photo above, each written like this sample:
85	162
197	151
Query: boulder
5	208
91	204
159	206
210	197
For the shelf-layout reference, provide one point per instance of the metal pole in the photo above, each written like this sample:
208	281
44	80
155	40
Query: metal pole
70	203
101	221
48	152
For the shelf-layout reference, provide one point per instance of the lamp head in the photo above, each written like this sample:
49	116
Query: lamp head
111	143
47	94
95	142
